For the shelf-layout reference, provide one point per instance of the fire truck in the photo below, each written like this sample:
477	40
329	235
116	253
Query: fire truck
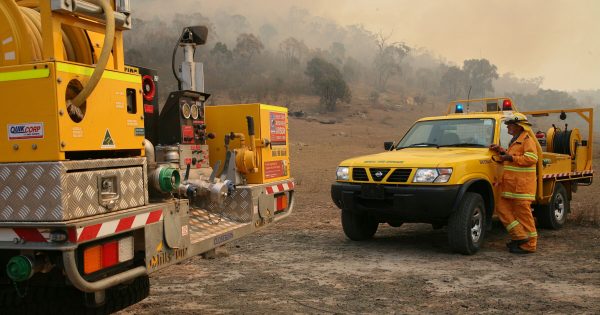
100	184
442	172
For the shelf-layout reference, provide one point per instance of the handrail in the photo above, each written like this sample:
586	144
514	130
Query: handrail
70	266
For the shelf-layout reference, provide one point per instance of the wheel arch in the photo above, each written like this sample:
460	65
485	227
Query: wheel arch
483	188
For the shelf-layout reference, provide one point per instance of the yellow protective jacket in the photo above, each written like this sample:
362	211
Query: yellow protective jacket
519	176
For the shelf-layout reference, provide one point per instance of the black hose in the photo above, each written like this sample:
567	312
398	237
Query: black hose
562	142
173	60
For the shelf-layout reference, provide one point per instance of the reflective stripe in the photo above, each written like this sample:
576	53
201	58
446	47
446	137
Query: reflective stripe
512	225
533	234
531	155
24	75
518	196
74	69
520	169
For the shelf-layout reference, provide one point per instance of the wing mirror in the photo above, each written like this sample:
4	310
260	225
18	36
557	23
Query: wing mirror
388	145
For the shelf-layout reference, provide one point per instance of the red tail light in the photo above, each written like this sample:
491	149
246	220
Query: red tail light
110	254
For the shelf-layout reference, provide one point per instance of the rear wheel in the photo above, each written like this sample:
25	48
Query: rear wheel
358	226
26	299
466	226
554	214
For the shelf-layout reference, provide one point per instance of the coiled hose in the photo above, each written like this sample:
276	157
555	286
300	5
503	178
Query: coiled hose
561	142
32	19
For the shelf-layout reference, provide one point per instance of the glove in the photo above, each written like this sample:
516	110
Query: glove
506	157
497	148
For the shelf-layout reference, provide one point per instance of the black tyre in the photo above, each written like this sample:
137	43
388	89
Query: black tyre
554	214
466	226
68	300
358	227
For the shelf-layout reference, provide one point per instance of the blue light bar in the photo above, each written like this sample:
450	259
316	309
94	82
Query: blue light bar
459	109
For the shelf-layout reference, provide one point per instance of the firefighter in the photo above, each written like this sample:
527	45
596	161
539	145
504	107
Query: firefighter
518	186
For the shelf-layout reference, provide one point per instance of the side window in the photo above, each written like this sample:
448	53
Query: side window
504	136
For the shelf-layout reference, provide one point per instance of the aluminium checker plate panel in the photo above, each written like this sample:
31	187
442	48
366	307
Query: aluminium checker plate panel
66	190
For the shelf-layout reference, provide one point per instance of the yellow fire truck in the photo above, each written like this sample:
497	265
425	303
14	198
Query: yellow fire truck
100	186
442	172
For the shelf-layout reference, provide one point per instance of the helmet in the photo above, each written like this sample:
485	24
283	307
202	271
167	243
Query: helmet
518	119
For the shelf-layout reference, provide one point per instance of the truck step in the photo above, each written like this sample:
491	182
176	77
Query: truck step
205	225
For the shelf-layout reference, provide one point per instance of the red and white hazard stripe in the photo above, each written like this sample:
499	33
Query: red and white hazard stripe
280	188
99	230
24	234
559	175
85	233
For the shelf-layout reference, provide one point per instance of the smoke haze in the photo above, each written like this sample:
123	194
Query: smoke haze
557	40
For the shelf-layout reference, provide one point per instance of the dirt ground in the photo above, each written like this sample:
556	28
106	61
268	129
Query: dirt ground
306	265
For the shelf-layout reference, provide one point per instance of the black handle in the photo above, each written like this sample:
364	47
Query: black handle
250	125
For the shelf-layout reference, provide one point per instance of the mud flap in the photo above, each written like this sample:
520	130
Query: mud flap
176	225
266	207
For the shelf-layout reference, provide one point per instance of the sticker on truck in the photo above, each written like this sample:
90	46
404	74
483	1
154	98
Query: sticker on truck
26	131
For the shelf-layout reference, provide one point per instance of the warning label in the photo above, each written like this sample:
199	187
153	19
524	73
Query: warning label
26	131
274	169
278	128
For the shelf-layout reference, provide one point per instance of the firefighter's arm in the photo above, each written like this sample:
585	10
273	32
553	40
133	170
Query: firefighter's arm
529	157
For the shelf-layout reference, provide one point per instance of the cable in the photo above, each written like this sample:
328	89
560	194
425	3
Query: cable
173	61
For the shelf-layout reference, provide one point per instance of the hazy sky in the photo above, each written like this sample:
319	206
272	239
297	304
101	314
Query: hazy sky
556	39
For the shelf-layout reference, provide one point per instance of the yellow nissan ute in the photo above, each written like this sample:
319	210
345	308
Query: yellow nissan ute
442	172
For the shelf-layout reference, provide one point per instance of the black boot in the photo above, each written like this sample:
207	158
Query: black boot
516	243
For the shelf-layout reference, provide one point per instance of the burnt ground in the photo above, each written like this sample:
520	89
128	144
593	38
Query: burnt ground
306	265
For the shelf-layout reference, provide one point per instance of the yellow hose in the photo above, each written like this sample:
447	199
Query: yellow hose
109	38
32	20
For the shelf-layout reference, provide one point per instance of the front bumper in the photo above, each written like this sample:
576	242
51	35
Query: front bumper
418	203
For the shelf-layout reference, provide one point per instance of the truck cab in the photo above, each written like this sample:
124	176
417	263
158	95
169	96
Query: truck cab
441	172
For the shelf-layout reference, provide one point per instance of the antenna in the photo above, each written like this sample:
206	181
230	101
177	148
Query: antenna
469	98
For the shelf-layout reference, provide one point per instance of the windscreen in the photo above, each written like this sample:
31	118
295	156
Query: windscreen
471	132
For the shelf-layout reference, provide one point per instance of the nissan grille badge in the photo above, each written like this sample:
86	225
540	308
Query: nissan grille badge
379	174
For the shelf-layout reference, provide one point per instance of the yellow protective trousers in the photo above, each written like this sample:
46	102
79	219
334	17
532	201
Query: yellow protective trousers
516	216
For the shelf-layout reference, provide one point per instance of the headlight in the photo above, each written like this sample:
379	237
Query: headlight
342	173
432	175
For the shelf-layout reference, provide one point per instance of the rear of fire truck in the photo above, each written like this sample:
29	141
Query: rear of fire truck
100	186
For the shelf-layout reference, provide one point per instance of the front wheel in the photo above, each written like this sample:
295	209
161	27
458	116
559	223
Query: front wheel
466	226
358	226
554	214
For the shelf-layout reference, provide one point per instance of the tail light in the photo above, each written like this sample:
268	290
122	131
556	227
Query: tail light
281	202
107	254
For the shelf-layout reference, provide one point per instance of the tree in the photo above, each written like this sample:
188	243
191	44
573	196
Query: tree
338	53
480	75
328	83
454	82
247	46
388	60
267	32
293	51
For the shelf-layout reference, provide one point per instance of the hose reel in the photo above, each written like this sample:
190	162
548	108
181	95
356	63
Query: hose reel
563	141
22	42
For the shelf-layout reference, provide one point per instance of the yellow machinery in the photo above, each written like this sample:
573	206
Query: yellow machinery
264	156
442	172
99	191
64	88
